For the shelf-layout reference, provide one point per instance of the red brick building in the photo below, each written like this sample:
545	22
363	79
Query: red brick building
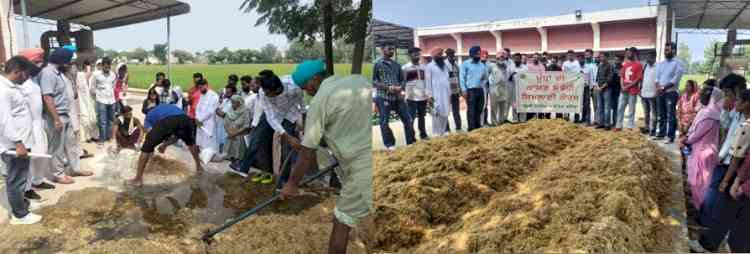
603	31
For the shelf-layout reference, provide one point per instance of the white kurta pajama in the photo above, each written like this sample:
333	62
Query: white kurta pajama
439	88
39	166
89	129
205	113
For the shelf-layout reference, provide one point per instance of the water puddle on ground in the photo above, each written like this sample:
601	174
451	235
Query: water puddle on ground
171	217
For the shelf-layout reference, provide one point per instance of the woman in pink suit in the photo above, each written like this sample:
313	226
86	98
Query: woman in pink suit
703	140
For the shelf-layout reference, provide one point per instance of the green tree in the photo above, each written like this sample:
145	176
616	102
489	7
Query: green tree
99	52
110	53
268	53
683	53
710	61
183	56
160	52
223	56
299	51
140	54
323	18
243	56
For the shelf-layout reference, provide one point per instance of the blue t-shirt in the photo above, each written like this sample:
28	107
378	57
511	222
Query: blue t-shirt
160	112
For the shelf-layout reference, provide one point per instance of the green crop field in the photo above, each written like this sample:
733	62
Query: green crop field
141	76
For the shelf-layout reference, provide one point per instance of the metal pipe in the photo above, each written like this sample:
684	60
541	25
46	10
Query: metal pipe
25	22
209	235
169	44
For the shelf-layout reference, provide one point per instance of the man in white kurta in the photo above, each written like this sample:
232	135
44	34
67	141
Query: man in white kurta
205	115
437	81
33	94
89	129
499	91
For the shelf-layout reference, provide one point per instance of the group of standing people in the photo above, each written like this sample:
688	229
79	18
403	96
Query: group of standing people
42	113
436	84
715	140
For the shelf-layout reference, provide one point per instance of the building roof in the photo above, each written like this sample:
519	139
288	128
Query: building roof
710	14
102	14
528	23
389	33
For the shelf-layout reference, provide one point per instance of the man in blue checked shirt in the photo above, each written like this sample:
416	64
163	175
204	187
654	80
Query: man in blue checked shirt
389	87
472	76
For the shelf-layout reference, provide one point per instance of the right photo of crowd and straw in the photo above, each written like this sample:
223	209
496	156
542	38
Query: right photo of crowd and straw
561	126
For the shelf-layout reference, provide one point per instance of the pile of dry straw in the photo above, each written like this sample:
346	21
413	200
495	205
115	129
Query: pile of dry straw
544	186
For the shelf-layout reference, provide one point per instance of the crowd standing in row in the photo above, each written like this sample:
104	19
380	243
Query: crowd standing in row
55	100
612	85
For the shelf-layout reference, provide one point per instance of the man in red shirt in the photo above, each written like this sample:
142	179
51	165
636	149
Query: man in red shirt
631	75
194	95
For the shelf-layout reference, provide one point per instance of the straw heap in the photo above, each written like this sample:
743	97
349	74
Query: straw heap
543	186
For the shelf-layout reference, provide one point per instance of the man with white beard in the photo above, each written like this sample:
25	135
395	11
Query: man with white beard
437	82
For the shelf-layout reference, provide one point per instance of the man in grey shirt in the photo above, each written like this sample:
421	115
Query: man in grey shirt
62	141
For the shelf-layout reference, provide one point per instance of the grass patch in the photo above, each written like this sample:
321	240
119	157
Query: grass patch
143	75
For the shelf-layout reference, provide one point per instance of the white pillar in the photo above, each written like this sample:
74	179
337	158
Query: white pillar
26	43
597	36
459	46
498	40
169	45
661	32
417	40
8	29
543	34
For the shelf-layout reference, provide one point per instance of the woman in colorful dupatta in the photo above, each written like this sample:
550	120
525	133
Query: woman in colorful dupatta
703	138
235	121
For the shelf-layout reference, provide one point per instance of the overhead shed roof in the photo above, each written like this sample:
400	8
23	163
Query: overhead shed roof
389	33
102	14
710	14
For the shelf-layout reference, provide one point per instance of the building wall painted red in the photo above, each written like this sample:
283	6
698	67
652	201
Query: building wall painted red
570	37
522	40
628	33
443	41
484	39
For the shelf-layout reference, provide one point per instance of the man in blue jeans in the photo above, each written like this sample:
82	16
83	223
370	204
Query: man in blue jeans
389	87
668	75
472	76
103	83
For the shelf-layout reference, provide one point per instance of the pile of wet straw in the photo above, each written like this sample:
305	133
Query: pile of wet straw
543	186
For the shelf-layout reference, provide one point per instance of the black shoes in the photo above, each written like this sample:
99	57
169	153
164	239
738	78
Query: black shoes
43	186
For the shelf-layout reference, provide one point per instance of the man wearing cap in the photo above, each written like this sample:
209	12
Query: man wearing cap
472	76
631	75
389	86
437	81
417	96
499	78
32	92
339	115
62	141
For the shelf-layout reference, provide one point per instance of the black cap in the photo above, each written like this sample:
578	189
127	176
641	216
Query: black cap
632	49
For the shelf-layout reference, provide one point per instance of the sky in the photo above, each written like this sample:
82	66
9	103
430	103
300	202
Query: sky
211	24
421	13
